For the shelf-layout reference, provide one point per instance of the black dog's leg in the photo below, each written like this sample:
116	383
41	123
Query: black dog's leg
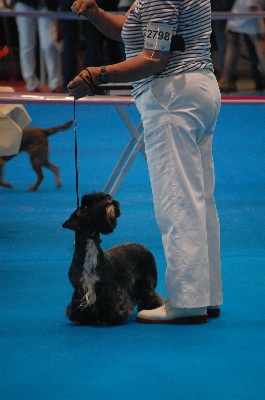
113	305
149	301
77	314
146	296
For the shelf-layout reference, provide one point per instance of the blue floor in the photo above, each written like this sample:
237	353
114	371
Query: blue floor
43	357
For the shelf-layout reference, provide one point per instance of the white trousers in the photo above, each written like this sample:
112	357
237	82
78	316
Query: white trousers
47	30
179	115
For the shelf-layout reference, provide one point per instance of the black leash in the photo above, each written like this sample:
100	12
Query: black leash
76	160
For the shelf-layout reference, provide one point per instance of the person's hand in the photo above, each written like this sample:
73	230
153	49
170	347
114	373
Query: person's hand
84	7
84	84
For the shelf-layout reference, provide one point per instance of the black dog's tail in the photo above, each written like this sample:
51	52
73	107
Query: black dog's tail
55	129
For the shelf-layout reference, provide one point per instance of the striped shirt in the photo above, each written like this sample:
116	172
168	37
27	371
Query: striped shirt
189	18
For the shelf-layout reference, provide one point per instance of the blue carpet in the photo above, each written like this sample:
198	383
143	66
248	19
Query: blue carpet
43	357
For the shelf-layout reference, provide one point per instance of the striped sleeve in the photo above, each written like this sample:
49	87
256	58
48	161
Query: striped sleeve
189	18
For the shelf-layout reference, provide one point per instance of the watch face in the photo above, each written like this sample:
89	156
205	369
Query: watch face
104	78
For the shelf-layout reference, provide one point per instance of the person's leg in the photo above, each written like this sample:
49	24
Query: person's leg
212	221
112	51
70	32
257	73
219	27
174	125
226	81
259	43
27	29
48	35
93	45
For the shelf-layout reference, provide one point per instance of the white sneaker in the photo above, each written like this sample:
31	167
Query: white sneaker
166	314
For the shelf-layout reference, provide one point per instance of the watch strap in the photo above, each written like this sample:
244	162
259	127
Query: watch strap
103	74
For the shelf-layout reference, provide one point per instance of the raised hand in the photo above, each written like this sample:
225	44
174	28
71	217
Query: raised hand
84	7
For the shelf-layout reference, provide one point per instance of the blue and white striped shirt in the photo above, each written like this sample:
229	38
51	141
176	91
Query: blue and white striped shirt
189	18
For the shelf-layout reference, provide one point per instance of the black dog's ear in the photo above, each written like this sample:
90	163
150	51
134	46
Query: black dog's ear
112	213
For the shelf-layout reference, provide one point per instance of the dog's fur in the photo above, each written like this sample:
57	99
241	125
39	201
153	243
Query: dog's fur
107	284
35	142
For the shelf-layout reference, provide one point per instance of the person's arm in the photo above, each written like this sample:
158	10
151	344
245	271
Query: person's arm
108	24
148	63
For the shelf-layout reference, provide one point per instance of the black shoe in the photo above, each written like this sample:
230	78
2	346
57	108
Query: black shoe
213	312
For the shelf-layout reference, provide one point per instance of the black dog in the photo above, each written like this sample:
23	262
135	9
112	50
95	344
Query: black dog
107	284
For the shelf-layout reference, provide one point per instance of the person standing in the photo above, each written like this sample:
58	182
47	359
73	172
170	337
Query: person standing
254	29
218	27
167	46
47	31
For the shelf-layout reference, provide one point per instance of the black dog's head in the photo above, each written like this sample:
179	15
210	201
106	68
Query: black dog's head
97	214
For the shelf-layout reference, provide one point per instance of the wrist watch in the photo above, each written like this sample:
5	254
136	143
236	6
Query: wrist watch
103	75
